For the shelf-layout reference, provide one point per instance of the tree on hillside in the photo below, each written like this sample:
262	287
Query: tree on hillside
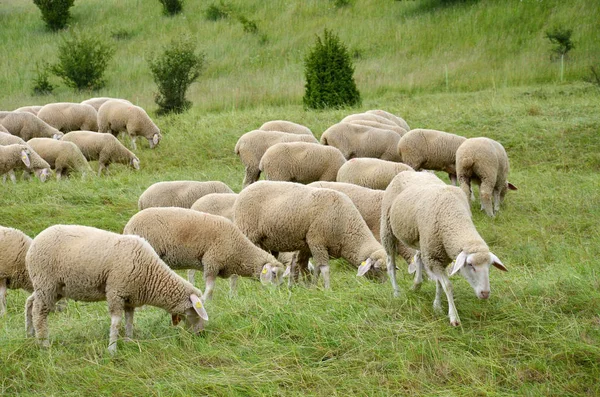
55	12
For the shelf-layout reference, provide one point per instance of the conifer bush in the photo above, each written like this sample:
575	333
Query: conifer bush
172	7
55	13
329	74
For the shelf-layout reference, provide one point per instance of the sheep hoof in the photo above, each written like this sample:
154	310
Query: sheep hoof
112	349
437	308
44	343
455	323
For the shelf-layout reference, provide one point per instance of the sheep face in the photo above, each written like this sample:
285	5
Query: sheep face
475	268
272	274
42	174
135	163
155	140
195	315
375	267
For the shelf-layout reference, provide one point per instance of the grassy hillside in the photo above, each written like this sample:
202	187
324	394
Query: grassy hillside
538	334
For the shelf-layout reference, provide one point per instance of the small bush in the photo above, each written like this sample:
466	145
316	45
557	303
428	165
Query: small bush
341	3
41	82
249	25
82	60
215	12
173	72
172	7
561	39
55	12
329	75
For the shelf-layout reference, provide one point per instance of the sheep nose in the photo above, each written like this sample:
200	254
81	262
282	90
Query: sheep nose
484	294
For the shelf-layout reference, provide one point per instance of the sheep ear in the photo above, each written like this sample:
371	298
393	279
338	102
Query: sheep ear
135	162
25	158
56	136
364	267
198	306
460	261
266	273
412	267
510	186
155	139
287	271
497	264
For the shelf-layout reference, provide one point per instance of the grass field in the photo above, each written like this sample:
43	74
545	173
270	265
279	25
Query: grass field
538	334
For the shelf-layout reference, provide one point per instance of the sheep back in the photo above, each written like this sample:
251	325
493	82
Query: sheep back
117	116
369	172
97	102
27	126
392	117
286	126
61	156
179	193
14	245
355	140
430	150
216	204
67	116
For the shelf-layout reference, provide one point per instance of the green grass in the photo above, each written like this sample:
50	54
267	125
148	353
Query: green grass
538	334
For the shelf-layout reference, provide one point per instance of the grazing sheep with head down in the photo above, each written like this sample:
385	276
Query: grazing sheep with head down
13	273
63	157
216	204
392	117
67	116
27	126
398	130
179	193
368	117
301	162
430	150
102	147
88	264
371	173
97	102
322	223
252	145
355	140
117	116
37	164
286	126
188	239
485	162
29	109
11	157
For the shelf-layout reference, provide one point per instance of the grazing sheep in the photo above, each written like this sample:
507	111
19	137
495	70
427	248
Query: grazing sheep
179	193
68	116
27	126
398	130
63	157
13	273
322	223
392	117
355	140
11	157
37	164
436	219
430	150
371	173
88	264
116	116
216	204
485	162
286	126
29	109
97	102
5	131
188	239
369	117
102	147
252	145
301	162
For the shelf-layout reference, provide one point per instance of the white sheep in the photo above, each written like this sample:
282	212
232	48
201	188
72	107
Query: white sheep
301	162
251	146
27	126
29	109
216	204
188	239
179	193
322	223
68	116
484	162
435	219
97	102
285	126
88	264
116	116
4	130
369	117
369	172
13	273
392	117
356	140
102	147
11	156
398	130
430	150
63	157
37	164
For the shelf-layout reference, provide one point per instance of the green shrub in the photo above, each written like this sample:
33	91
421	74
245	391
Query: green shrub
174	71
41	82
55	12
561	39
215	12
341	3
249	25
82	60
172	7
329	75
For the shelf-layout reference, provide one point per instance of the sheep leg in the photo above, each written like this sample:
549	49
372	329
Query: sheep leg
209	287
321	258
41	308
13	177
391	270
233	284
418	272
115	308
497	200
437	303
453	179
29	329
302	265
191	275
2	297
252	175
465	185
447	286
485	195
129	311
133	145
58	174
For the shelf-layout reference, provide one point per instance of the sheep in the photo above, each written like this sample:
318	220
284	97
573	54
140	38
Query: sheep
362	141
430	150
4	130
484	161
392	117
216	204
371	173
97	102
398	130
88	264
368	116
102	147
116	116
39	166
301	162
27	126
285	126
13	273
29	109
61	156
287	216
179	193
11	157
251	146
188	239
435	218
68	116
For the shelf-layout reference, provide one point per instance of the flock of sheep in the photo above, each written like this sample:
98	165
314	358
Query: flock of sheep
358	194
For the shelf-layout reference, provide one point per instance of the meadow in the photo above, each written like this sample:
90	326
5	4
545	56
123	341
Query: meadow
538	334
